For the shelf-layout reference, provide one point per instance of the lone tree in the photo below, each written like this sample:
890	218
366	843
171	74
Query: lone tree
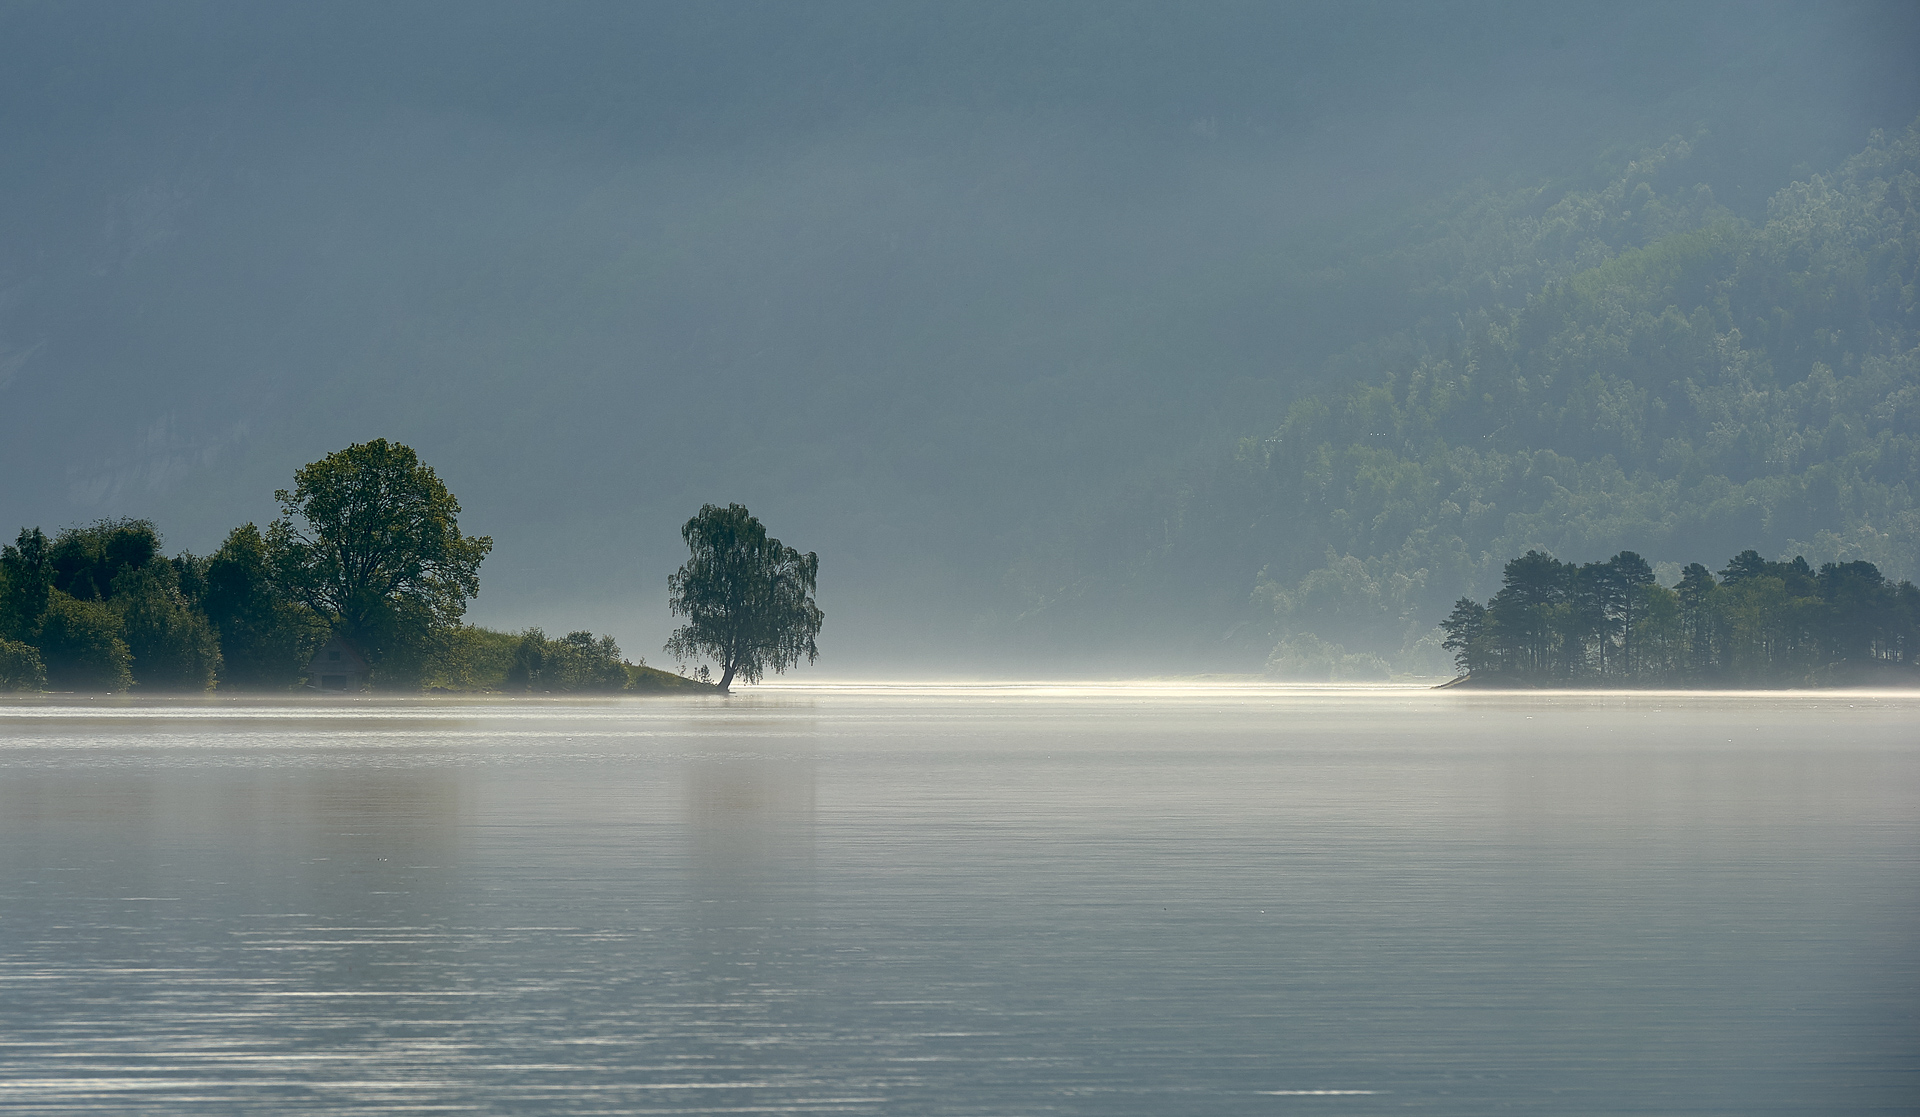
748	599
369	539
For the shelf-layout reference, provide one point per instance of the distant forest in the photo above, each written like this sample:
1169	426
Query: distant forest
1618	363
1583	369
1759	624
101	608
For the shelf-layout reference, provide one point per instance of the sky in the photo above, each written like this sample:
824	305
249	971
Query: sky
915	282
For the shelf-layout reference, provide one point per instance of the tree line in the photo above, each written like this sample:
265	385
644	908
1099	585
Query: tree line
1576	370
368	552
1759	623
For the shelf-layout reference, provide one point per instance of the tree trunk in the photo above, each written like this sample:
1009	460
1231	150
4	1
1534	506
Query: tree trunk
726	678
1626	636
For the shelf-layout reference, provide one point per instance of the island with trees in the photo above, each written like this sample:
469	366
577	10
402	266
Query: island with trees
1759	623
367	565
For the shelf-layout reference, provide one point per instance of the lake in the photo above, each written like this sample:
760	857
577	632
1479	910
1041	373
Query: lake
1099	900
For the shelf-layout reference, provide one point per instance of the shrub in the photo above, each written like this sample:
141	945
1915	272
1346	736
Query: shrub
20	667
577	663
81	646
173	646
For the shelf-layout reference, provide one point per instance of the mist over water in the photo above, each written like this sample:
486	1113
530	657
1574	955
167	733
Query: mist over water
1079	340
924	285
1009	899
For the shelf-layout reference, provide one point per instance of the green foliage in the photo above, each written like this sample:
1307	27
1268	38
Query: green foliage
644	680
172	644
87	560
1631	367
369	544
747	598
106	610
401	639
20	667
576	663
472	658
26	579
1363	600
266	640
81	645
369	540
1764	624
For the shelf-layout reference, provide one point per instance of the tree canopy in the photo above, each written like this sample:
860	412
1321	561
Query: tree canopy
369	539
267	638
1760	624
748	598
369	548
100	608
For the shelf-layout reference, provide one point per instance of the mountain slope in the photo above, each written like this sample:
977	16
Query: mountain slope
1644	370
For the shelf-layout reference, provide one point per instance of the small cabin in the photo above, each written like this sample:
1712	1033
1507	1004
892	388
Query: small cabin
337	666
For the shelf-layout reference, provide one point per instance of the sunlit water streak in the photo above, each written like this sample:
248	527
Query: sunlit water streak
964	899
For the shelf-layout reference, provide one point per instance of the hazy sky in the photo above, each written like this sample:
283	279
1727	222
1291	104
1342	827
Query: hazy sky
909	280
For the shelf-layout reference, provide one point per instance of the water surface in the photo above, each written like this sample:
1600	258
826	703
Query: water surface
964	901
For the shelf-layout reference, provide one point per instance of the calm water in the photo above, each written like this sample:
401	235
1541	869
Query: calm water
950	902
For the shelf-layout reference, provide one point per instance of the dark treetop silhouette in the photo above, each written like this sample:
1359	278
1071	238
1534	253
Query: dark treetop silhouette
369	539
1761	624
368	549
748	599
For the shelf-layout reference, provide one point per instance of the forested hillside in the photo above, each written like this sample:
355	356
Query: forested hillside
1625	366
977	298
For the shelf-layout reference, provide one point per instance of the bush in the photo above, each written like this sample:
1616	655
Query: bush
401	640
20	667
473	658
81	646
86	560
577	663
651	680
266	640
26	577
173	646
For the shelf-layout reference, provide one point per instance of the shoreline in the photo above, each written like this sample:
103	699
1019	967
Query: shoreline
1516	686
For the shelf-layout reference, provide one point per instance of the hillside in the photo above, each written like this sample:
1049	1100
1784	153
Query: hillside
972	299
1627	366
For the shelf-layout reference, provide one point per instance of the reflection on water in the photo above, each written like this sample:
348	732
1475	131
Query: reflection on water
750	886
1017	899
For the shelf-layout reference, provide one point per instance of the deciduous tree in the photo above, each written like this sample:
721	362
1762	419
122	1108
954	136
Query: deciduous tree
80	642
267	639
173	646
20	666
369	538
748	598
